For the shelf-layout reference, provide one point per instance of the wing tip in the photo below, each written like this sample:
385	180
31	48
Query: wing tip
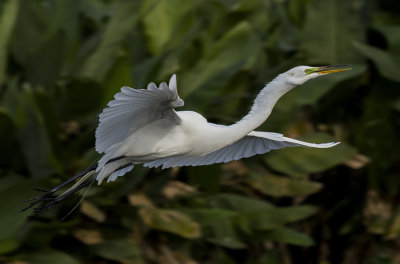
152	86
327	145
125	89
172	83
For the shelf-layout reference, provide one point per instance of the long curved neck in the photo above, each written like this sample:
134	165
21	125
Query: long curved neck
260	109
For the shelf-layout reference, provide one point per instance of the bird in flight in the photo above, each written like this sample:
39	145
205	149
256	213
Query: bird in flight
141	126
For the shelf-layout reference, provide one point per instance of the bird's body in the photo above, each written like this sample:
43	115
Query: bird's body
162	138
140	126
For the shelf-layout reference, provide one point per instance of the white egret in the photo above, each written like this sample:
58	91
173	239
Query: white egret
140	126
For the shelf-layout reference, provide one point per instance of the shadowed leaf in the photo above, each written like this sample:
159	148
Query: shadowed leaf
281	186
382	59
226	57
289	236
340	29
123	251
170	221
89	237
92	211
51	257
161	21
300	161
8	17
121	24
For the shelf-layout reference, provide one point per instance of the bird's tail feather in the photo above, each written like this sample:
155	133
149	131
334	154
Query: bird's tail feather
116	167
49	198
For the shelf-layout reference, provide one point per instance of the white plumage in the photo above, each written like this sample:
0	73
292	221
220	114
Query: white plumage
134	108
140	126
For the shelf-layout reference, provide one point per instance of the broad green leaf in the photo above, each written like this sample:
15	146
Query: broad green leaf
209	216
143	71
205	177
218	226
50	257
7	181
162	20
10	153
42	26
330	29
42	233
120	75
224	234
236	5
170	221
50	54
387	67
31	130
278	186
382	152
80	97
289	236
8	17
225	227
92	211
392	34
256	214
272	218
13	224
296	11
8	245
132	179
233	51
124	19
295	213
237	202
10	222
94	9
298	161
123	251
64	17
376	126
29	29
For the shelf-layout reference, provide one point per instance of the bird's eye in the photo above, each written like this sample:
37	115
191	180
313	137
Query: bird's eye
291	73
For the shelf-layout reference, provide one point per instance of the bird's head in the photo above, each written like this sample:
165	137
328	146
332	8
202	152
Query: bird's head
300	74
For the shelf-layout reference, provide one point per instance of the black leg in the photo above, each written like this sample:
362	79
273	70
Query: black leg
48	194
47	204
48	199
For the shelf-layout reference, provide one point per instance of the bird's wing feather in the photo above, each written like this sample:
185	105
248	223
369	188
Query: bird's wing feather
132	109
250	145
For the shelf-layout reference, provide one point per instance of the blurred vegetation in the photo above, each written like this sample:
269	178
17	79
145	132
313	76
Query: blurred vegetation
61	61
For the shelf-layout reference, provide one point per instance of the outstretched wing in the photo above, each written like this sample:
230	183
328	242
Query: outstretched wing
254	143
134	108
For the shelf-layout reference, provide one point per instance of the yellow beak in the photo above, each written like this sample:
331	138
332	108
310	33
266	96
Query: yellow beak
329	69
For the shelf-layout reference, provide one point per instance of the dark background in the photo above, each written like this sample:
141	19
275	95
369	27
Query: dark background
61	61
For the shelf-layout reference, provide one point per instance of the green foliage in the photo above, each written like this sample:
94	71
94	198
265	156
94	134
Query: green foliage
297	162
7	22
47	257
341	29
170	221
124	251
61	61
